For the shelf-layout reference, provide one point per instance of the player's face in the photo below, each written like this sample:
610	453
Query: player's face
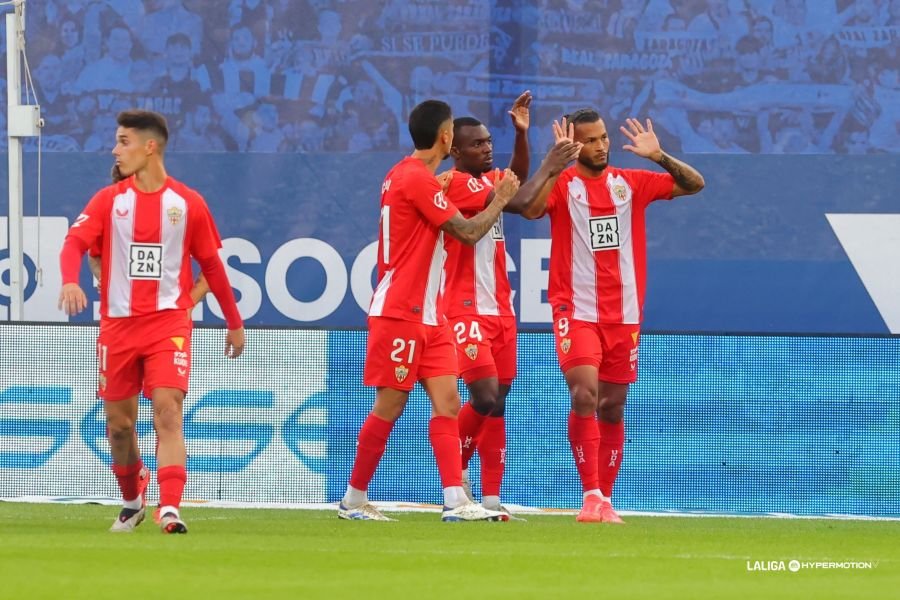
130	151
473	150
595	152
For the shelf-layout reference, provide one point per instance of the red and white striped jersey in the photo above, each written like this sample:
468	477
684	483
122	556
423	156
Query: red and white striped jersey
598	258
477	283
411	245
146	243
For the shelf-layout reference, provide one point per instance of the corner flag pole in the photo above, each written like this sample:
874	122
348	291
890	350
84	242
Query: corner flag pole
24	121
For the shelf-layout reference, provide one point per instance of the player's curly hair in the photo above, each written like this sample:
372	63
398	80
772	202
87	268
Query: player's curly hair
582	115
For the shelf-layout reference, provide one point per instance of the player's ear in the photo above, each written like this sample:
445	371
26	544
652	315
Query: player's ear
454	152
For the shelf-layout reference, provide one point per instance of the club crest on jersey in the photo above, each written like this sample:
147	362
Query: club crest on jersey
472	351
400	373
620	191
174	213
565	345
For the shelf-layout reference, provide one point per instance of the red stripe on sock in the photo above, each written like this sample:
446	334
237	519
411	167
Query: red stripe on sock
609	459
470	425
372	440
492	450
444	435
584	437
171	484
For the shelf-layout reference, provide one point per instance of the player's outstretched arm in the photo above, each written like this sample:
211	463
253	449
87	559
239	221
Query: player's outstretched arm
644	143
539	186
520	163
469	231
562	132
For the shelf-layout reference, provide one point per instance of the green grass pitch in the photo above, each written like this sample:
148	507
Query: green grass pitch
64	552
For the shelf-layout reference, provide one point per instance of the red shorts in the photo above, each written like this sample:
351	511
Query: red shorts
612	348
485	347
144	353
399	353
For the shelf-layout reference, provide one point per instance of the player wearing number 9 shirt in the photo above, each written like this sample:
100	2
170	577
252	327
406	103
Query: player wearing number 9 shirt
147	226
596	287
409	338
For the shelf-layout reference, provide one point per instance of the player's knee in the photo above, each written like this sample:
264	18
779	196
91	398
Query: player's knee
584	399
120	428
484	403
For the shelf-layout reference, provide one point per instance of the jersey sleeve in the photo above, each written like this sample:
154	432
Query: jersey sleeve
205	241
553	200
89	225
653	186
468	193
428	198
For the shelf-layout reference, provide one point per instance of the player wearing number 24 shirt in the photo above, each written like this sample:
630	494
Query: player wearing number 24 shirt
409	339
596	287
147	227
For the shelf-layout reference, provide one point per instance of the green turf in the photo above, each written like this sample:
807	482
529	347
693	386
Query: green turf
64	552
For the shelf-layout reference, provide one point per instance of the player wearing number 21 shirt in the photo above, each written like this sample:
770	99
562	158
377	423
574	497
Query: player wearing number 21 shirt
596	287
409	338
147	228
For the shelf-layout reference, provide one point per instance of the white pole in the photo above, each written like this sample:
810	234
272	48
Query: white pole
15	29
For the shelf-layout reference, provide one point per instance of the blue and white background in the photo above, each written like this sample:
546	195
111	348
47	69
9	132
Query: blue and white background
287	114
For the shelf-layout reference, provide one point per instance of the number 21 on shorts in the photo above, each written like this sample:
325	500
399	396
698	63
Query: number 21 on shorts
404	350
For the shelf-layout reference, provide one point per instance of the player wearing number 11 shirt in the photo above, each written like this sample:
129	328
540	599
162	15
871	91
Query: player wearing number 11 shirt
596	287
147	227
409	338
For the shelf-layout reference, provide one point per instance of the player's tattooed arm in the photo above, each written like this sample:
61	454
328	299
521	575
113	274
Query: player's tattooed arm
469	231
688	180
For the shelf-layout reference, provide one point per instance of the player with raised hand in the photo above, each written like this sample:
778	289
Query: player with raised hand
409	337
148	226
478	296
596	288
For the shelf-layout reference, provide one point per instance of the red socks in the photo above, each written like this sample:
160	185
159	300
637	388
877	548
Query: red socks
470	423
584	436
444	435
372	440
171	484
128	478
612	442
492	450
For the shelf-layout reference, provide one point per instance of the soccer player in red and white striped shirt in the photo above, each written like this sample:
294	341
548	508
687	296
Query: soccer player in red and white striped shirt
478	296
148	227
409	338
596	289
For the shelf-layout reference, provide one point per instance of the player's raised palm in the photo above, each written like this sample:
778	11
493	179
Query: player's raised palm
520	115
643	140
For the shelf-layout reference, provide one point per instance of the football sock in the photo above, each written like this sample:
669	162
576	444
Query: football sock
470	424
372	440
128	478
584	437
491	502
612	442
354	498
492	450
171	485
454	496
444	435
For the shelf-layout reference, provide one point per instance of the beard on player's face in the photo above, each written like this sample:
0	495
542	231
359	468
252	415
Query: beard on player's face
594	164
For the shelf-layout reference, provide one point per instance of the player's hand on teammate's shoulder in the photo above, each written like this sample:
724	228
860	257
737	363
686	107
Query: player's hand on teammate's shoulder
444	179
507	187
521	118
643	140
72	299
234	342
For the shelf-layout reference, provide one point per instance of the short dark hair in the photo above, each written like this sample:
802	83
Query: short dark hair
145	120
461	122
582	115
178	38
425	122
